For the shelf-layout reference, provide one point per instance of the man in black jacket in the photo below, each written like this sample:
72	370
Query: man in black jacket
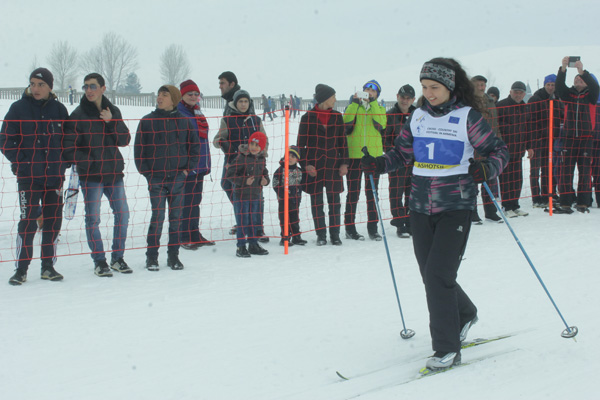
92	139
539	120
399	180
228	85
165	151
31	139
580	107
512	121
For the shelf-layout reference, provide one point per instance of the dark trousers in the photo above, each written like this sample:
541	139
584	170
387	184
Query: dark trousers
400	185
488	205
30	196
267	112
596	169
293	219
576	152
165	192
439	242
511	183
353	180
248	217
317	208
190	215
539	175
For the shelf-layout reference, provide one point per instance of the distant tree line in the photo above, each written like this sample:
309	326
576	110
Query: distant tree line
116	60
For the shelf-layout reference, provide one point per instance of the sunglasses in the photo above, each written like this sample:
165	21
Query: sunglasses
371	86
93	86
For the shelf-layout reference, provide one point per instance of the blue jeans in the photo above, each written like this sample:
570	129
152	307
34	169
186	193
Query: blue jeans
92	196
248	219
163	191
190	216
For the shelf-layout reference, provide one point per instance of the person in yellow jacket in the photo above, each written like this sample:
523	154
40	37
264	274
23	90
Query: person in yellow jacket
365	121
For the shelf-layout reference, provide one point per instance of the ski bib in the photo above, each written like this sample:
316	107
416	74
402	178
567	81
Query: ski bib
441	144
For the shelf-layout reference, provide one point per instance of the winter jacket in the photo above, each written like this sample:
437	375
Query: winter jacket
235	130
325	148
432	195
513	125
539	117
199	128
31	139
165	145
244	166
394	124
580	107
364	128
296	176
93	144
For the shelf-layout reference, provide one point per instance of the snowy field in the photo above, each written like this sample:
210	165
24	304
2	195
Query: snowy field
279	326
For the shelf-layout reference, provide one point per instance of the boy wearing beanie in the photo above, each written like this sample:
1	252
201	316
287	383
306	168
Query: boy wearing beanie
365	121
295	196
33	145
248	174
166	151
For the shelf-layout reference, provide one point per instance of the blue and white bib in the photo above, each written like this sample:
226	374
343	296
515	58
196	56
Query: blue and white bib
441	144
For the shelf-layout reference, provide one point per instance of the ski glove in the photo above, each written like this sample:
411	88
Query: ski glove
371	165
479	170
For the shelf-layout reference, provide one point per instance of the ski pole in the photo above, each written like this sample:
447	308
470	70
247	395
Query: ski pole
571	331
406	333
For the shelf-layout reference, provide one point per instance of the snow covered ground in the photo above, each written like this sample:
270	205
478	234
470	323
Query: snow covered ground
279	326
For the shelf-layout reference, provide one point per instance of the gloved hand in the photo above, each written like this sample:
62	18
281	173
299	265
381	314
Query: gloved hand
479	170
371	165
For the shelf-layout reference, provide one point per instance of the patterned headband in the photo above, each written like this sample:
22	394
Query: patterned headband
439	73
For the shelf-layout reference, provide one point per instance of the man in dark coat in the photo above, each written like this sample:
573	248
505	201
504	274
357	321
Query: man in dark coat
512	121
228	85
165	150
31	139
92	139
324	157
539	121
399	180
580	108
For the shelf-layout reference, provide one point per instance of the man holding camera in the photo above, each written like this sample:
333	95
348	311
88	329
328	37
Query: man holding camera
580	102
364	121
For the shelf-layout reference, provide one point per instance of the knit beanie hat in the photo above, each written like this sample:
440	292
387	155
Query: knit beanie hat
323	92
495	91
549	79
518	85
240	94
188	86
295	151
173	91
43	74
479	78
258	138
440	73
373	84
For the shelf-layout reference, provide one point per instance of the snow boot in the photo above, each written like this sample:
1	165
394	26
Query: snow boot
173	262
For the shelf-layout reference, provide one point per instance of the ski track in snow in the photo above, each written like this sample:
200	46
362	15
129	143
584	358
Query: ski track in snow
278	327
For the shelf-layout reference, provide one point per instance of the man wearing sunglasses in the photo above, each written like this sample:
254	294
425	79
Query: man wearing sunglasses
365	121
92	139
30	139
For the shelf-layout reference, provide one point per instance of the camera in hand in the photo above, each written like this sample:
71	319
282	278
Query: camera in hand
362	95
573	60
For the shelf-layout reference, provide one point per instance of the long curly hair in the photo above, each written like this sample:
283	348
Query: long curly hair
463	89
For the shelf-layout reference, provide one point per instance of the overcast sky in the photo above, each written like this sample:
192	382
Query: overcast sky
288	47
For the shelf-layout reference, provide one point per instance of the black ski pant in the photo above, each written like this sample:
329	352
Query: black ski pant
293	216
488	205
596	169
353	179
30	196
511	183
400	185
576	152
317	208
439	242
539	175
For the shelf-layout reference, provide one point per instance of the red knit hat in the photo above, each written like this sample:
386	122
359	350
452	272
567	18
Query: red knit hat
188	86
258	138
